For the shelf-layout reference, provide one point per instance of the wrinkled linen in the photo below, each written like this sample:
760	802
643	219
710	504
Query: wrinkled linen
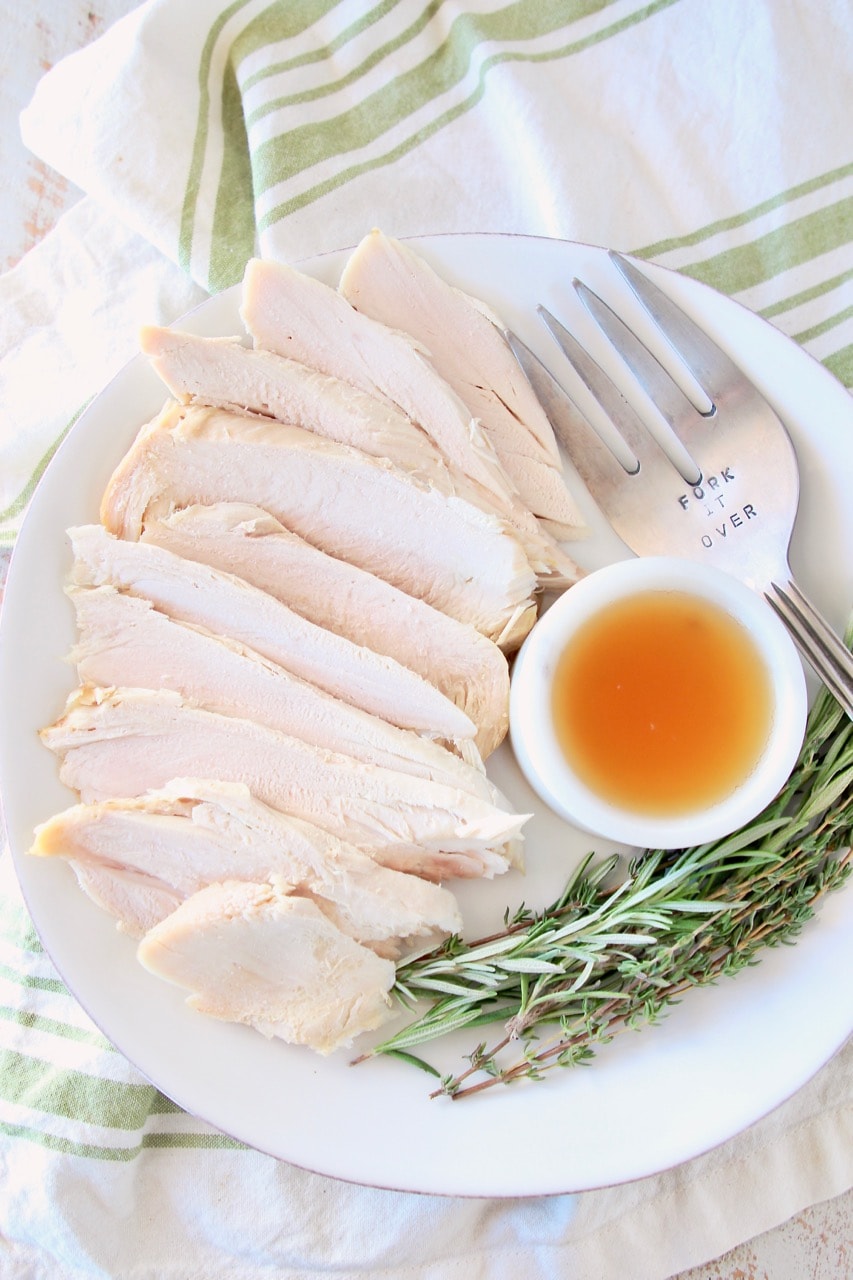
711	138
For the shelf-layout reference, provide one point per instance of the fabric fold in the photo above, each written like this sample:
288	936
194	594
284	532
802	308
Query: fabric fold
710	139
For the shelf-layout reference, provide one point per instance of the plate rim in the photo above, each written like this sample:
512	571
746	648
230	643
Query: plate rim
75	433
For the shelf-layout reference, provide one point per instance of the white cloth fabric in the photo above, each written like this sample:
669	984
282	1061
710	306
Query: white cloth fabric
711	137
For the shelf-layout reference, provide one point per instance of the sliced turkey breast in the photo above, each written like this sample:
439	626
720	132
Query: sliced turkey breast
229	607
391	283
139	858
137	901
120	743
304	319
124	640
360	509
224	373
258	955
244	540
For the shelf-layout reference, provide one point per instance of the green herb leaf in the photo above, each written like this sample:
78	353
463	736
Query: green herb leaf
607	957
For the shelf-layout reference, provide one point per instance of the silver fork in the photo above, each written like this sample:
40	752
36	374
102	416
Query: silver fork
726	493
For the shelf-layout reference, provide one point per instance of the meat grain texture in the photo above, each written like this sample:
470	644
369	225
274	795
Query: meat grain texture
363	510
247	541
464	343
294	620
296	316
149	854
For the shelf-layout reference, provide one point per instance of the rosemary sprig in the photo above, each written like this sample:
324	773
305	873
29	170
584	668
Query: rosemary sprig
603	959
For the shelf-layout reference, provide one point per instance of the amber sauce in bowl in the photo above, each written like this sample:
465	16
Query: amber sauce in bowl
658	702
630	693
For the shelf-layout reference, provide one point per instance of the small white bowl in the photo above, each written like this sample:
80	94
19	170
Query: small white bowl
543	760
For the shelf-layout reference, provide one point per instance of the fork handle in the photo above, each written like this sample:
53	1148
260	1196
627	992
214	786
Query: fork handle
817	641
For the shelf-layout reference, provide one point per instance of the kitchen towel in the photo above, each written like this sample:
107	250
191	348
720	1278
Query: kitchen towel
709	137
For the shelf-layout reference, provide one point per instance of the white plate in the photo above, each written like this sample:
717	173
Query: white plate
722	1059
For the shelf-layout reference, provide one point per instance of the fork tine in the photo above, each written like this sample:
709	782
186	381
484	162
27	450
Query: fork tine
709	364
621	413
666	396
621	496
593	460
610	480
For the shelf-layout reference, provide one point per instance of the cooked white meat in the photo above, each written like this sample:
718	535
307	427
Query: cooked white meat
120	743
255	954
224	373
359	509
136	900
125	641
139	858
227	606
296	316
390	282
299	317
244	540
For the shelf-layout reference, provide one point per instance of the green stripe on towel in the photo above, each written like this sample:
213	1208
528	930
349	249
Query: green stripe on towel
806	295
825	326
327	52
788	246
290	153
52	985
841	365
94	1151
282	158
662	247
271	165
74	1095
51	1026
17	928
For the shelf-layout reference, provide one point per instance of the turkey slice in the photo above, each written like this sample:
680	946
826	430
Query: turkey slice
139	858
290	313
120	743
224	373
228	606
259	955
360	509
124	640
137	901
245	540
391	283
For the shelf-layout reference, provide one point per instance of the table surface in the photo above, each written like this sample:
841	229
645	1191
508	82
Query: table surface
816	1244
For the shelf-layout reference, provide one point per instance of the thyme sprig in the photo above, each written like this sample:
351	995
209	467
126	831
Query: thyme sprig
608	957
